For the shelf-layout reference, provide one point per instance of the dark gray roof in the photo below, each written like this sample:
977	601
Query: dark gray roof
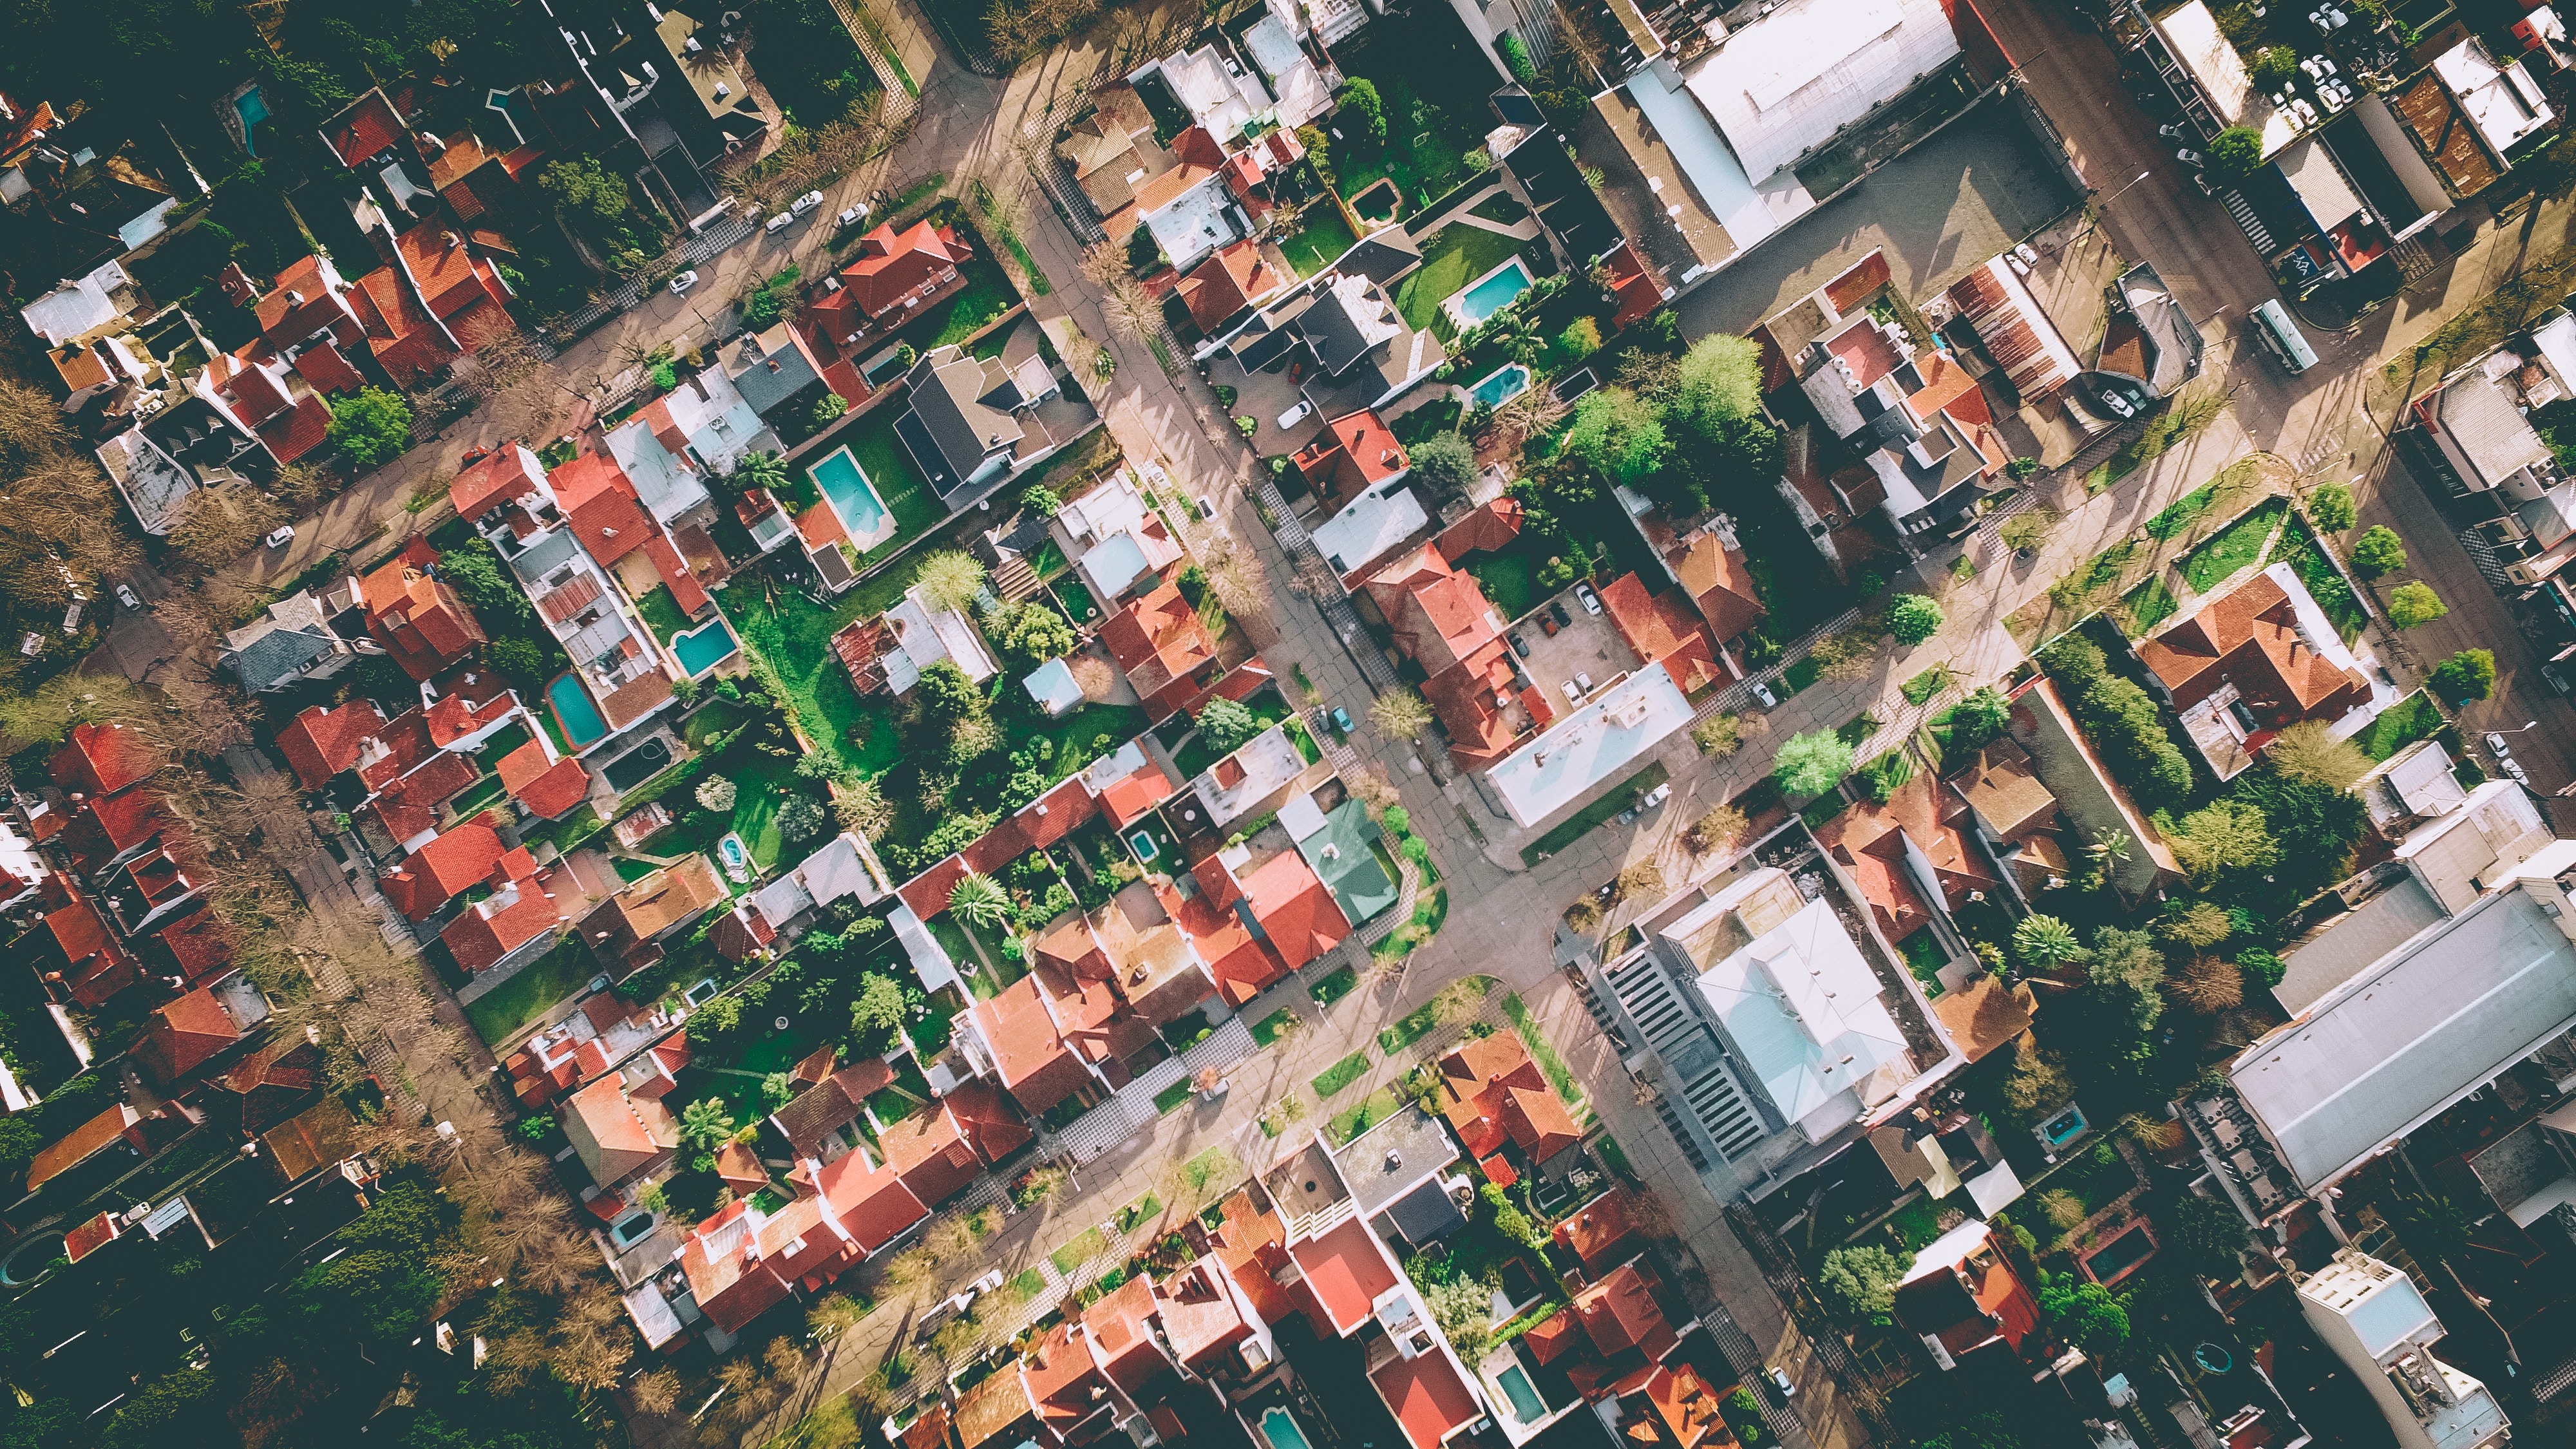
948	392
1425	1215
1381	258
279	655
766	379
1329	328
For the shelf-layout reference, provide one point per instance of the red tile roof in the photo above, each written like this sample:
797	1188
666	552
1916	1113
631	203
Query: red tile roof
91	1236
196	945
1354	453
1633	283
451	277
1427	1397
1346	1270
364	130
320	743
1719	581
401	744
1242	964
325	369
1295	909
95	967
871	1201
489	930
1128	798
892	265
102	759
182	1035
1200	157
507	472
299	430
84	1142
1492	1093
548	790
417	617
1063	1380
1159	641
1438	614
929	1151
406	340
1121	1329
442	870
1488	528
993	1127
1036	1066
1620	1313
601	504
1231	279
299	305
1663	629
471	704
1600	1233
2248	637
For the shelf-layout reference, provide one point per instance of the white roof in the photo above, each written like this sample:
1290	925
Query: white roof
1302	96
1113	767
1115	507
1711	169
2416	783
929	634
718	425
1192	224
846	867
2378	1302
2503	102
2405	1039
1300	818
1994	1189
2557	344
1950	1249
1803	1012
150	482
783	899
1373	523
2311	171
929	963
1269	759
1589	746
1053	686
1793	78
1113	567
75	306
1217	98
2496	827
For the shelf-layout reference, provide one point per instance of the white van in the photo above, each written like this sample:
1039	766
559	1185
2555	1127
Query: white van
2271	326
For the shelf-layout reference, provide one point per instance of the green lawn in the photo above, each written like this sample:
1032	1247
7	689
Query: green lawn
1432	81
1541	1050
1458	255
1090	1243
1927	684
1320	245
1170	1098
988	294
499	1014
2401	724
2297	545
2233	547
1593	814
2178	514
1334	987
1030	1283
1507	582
900	487
1211	1168
662	613
1142	1210
1267	1029
2150	604
794	635
1351	1122
1341	1074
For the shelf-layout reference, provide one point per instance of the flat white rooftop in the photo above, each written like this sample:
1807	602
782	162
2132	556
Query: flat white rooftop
1790	80
1374	522
1590	746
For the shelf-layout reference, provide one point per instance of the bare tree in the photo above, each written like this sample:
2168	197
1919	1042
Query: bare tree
1314	578
217	525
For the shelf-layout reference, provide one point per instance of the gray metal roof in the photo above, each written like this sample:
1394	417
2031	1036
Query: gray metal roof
2489	430
946	388
279	655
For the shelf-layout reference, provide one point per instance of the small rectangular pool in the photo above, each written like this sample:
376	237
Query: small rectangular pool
1501	385
2119	1257
252	107
705	649
1282	1430
1494	293
1527	1406
853	498
579	718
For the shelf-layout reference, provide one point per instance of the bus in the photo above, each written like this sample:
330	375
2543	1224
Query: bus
2280	336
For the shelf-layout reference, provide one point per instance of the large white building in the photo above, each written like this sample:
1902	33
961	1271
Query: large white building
2377	1322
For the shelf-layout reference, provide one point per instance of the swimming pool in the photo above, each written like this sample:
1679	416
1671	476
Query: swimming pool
1527	1406
705	649
579	718
1282	1429
736	858
253	109
1492	294
854	500
1501	385
1146	850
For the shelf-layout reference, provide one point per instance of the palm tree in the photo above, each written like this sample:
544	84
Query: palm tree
760	470
979	900
2045	942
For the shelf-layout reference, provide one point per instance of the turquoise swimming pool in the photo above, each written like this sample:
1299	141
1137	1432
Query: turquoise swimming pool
1491	295
1501	385
704	649
253	109
852	497
580	719
1282	1429
1527	1406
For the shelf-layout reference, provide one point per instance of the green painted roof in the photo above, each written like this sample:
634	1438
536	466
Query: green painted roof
1360	885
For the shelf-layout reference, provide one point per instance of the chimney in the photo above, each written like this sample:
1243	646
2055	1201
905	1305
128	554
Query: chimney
294	298
452	239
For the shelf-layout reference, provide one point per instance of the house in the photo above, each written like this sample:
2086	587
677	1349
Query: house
892	272
185	1033
78	309
321	743
546	786
1348	326
439	299
516	921
1353	454
890	651
619	1135
462	857
1118	541
1030	1057
291	641
1439	616
1163	648
1132	945
2248	664
1291	910
2020	336
191	443
1233	279
1912	857
417	616
977	420
1110	148
108	831
405	813
118	1125
666	452
998	1411
2468	108
625	931
75	953
99	760
768	369
1185	209
2371	1315
942	1146
869	1200
1601	1234
1252	779
1493	1094
742	1261
1339	845
1961	1296
727	116
1665	629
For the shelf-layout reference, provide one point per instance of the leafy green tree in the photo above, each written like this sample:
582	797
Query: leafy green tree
2225	838
2205	1232
762	469
716	793
950	578
2465	677
1978	718
474	571
1858	1284
2261	968
1031	633
371	427
1987	1429
776	1089
2308	750
1358	99
592	198
947	696
2315	825
706	1123
827	408
1717	381
1811	763
1445	464
2274	66
1400	714
516	658
1042	501
2045	942
2330	508
2087	1314
801	818
1226	723
2378	551
1913	618
170	1411
2415	603
2234	154
979	900
1617	434
2125	958
877	1014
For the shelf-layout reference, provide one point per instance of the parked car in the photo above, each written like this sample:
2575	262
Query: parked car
778	223
282	537
125	596
1583	682
1547	625
1763	696
1520	646
1572	694
1207	508
1557	612
1295	415
1341	719
681	284
852	217
1779	1378
1591	600
804	205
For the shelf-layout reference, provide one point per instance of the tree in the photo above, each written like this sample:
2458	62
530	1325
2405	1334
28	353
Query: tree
2123	958
716	793
1225	724
171	1410
2225	837
2025	532
1986	1430
214	526
1812	763
1913	618
776	1088
979	900
827	408
1031	633
2274	66
706	1124
1617	434
1400	713
2039	1082
2378	551
2261	967
1719	735
1445	464
2209	986
877	1013
1358	97
2206	1232
801	818
2466	676
2308	750
371	427
2045	942
2086	1314
950	578
1717	381
2197	924
2330	508
2235	153
517	658
2415	603
947	696
1042	501
591	197
1978	718
1859	1284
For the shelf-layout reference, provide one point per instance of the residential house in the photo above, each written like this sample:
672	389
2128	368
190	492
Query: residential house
2472	431
406	812
1110	149
76	955
517	921
769	369
820	1121
619	1135
743	1261
892	276
625	932
1914	860
81	309
727	118
1163	648
117	1126
1962	1297
1117	541
438	299
2017	332
584	548
546	785
666	452
2251	662
942	1146
459	859
2466	110
321	742
191	443
1233	279
1666	629
2016	817
291	641
1131	945
1253	779
185	1033
417	616
1187	209
1030	1056
889	651
1365	356
975	421
1440	618
1353	454
1494	1096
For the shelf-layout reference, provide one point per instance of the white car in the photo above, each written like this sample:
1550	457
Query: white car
1780	1380
125	595
805	204
1591	600
1572	694
282	537
779	223
1295	415
852	217
683	282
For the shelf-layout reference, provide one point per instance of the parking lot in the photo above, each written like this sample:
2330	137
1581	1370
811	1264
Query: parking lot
1589	646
